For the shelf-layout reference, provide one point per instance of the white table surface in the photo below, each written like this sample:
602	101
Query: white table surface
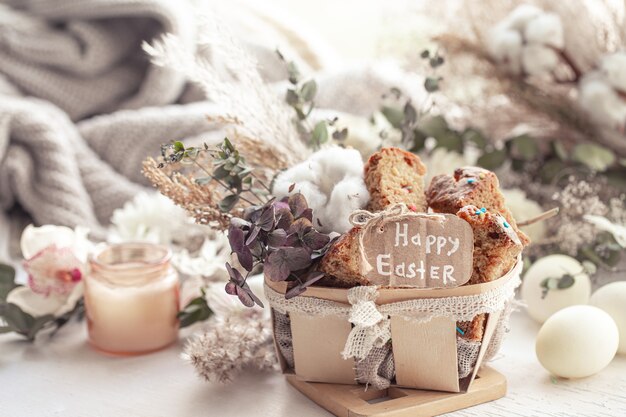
65	377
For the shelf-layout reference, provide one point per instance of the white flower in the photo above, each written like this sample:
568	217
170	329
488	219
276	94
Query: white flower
617	230
442	161
538	59
601	101
613	67
55	259
35	239
148	217
209	261
545	29
39	305
332	182
522	208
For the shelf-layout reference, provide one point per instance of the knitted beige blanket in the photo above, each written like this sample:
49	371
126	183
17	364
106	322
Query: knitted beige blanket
63	61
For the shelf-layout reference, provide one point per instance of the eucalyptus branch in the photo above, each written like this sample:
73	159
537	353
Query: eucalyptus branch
219	181
229	170
301	98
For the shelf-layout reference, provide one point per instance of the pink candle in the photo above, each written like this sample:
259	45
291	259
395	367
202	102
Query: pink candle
131	298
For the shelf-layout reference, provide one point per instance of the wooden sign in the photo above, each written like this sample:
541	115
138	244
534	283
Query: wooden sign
419	250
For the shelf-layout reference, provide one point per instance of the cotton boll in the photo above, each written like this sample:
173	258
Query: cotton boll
520	16
335	164
598	98
304	171
538	59
347	196
614	68
506	47
332	182
545	29
339	161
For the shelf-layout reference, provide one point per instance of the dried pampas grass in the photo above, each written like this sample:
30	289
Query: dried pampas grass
200	201
231	345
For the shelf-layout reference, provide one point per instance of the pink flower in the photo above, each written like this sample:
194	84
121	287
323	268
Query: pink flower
54	270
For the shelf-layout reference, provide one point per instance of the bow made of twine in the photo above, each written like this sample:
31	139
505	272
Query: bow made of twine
371	328
376	221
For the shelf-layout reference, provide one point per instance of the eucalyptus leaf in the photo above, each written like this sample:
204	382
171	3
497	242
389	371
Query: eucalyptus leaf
292	97
340	135
7	277
410	114
394	116
492	160
178	146
294	73
418	141
436	61
523	147
476	137
616	178
204	180
39	324
559	150
229	202
433	126
17	319
308	91
593	156
551	169
450	140
220	172
612	257
320	133
566	281
196	310
431	84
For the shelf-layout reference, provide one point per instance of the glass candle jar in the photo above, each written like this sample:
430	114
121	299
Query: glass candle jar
131	299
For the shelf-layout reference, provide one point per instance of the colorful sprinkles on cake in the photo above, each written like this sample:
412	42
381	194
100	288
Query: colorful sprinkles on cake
471	180
505	224
458	329
481	211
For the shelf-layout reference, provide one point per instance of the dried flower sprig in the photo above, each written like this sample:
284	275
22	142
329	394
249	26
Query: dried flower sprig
200	201
232	344
280	236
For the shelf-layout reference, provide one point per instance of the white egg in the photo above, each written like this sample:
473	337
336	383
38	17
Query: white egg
577	342
612	299
541	307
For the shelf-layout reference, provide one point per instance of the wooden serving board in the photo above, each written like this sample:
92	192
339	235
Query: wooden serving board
355	401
